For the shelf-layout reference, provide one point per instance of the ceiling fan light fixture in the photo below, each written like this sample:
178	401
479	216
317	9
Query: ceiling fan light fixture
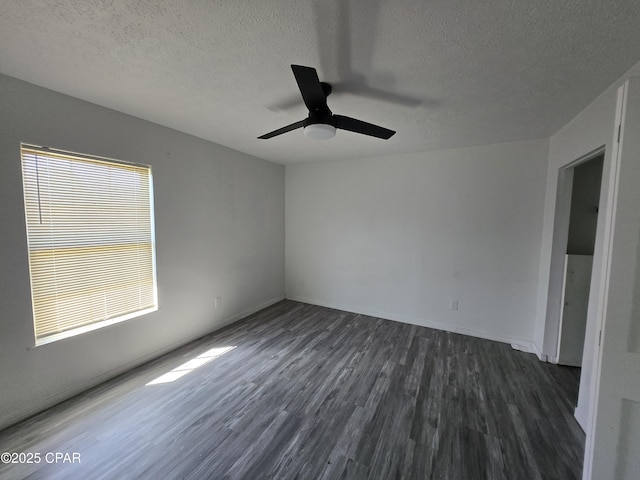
320	131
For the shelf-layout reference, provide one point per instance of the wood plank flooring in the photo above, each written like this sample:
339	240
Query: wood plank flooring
315	393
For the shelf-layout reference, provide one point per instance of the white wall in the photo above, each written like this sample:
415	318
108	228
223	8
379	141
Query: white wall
219	231
397	237
590	130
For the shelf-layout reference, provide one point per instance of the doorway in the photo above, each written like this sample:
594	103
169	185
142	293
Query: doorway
578	260
579	333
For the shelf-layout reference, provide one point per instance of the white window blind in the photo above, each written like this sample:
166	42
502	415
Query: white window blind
91	241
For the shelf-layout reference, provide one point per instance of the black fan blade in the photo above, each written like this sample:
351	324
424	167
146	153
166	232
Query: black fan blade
310	87
358	126
282	130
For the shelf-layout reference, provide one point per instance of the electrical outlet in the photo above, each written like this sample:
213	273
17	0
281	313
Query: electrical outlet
218	302
453	304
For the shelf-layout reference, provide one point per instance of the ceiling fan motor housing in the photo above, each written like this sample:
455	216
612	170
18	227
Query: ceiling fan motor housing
325	117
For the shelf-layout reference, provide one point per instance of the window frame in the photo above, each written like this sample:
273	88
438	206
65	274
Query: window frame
98	324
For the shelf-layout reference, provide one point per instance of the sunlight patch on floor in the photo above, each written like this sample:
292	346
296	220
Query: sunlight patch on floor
191	365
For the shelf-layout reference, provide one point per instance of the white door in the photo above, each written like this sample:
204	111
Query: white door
613	439
575	303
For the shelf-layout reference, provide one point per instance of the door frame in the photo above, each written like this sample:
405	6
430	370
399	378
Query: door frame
603	291
560	239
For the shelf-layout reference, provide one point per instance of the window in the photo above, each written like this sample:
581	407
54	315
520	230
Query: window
91	242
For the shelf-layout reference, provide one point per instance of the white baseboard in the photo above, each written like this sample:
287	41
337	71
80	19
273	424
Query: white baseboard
78	388
415	321
532	347
247	312
524	347
581	418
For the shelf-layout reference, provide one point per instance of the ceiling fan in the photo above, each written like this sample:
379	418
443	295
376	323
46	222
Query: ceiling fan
321	122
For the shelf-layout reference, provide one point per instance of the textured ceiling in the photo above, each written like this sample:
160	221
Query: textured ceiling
443	74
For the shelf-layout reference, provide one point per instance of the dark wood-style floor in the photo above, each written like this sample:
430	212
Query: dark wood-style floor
315	393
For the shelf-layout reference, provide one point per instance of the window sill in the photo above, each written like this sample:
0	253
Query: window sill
94	326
